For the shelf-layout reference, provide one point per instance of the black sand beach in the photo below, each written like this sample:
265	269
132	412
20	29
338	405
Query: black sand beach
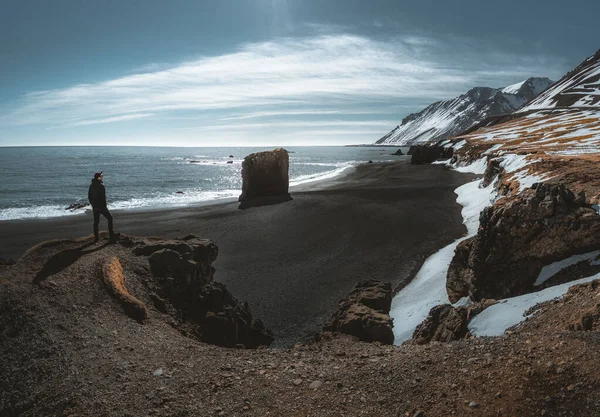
292	262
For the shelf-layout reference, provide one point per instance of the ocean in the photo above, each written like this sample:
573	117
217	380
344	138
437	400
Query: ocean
40	182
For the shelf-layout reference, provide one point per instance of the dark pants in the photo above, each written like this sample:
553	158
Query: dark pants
104	211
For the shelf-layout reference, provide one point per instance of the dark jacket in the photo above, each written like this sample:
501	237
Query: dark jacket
97	194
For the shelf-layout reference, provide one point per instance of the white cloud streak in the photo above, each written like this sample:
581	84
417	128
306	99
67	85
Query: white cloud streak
283	77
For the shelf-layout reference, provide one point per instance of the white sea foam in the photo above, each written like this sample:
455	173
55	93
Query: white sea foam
39	212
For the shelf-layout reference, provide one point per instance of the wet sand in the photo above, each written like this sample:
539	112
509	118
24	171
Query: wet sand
293	261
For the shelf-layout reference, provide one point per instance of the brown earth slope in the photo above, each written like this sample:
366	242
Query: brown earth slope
67	347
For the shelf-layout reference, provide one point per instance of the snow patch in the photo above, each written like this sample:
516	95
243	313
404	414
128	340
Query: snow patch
428	289
476	167
494	320
513	88
554	268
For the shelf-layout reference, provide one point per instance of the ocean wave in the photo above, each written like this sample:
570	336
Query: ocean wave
158	202
37	212
173	200
320	176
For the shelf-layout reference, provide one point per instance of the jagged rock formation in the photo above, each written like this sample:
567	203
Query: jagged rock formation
517	237
365	313
446	323
265	178
448	118
426	154
189	259
183	286
579	88
443	324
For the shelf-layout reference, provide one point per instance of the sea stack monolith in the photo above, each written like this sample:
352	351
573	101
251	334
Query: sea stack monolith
265	178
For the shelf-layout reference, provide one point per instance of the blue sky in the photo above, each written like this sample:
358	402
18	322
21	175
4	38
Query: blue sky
264	72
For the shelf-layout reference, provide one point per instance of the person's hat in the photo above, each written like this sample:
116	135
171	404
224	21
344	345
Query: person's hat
97	175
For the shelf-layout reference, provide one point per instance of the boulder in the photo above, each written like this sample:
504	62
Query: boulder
398	152
77	206
518	236
365	313
265	178
444	323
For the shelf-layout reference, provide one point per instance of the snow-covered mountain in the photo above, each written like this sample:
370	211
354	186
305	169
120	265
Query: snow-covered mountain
451	117
580	88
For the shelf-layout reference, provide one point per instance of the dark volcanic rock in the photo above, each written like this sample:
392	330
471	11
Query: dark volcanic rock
398	152
492	170
365	313
443	324
517	237
446	323
77	206
183	285
265	175
228	322
426	154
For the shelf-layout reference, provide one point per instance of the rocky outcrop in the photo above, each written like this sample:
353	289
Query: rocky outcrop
426	154
189	259
183	286
446	323
492	171
265	178
365	313
398	152
517	237
443	324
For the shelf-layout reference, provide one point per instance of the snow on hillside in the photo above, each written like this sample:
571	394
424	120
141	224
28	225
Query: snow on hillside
447	118
580	88
513	89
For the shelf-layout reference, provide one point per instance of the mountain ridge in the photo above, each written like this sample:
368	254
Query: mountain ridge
447	118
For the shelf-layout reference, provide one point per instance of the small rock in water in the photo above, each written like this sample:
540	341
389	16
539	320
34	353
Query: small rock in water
315	385
179	192
230	162
370	162
159	372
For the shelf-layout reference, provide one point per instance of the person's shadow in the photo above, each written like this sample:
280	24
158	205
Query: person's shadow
63	260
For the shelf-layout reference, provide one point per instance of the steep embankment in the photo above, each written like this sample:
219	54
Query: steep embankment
447	118
72	343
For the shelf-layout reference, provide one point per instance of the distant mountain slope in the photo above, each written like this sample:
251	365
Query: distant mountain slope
579	88
451	117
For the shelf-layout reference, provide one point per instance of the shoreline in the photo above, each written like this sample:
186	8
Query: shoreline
312	184
294	261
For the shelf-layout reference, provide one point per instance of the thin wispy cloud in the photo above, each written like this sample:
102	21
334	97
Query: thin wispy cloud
303	125
283	77
123	118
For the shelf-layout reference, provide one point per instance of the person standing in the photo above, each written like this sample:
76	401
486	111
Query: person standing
97	199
